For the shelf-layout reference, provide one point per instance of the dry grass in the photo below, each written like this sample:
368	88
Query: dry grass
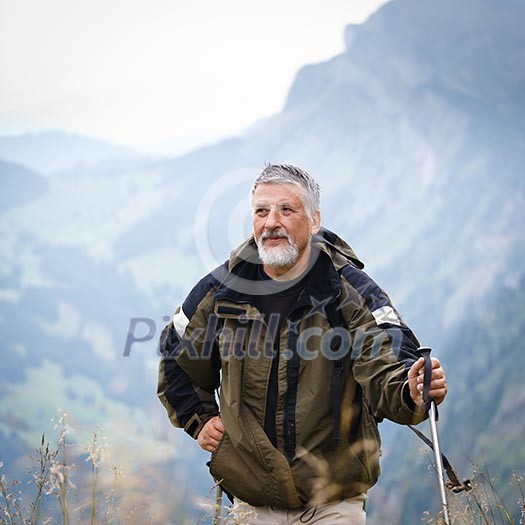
70	483
482	505
62	490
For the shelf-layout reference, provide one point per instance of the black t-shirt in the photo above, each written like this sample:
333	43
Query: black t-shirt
277	303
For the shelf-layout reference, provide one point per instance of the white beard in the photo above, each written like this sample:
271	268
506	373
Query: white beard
277	257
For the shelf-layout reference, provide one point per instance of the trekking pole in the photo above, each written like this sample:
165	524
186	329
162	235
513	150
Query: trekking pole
218	506
433	418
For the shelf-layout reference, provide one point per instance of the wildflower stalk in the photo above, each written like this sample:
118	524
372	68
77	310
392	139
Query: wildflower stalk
482	511
41	478
94	476
95	450
6	496
59	470
63	486
518	479
502	509
117	473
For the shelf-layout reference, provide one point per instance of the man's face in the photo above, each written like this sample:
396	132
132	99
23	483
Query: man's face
281	226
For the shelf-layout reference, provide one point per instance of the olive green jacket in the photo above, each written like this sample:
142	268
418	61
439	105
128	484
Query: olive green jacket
328	444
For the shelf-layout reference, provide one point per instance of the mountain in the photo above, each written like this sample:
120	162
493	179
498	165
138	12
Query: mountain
53	151
19	185
416	135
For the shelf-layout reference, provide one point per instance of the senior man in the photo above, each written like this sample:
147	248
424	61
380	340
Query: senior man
306	353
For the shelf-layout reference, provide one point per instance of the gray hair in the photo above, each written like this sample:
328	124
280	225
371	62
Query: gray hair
288	174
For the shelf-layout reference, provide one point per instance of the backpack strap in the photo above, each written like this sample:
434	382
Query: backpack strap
335	319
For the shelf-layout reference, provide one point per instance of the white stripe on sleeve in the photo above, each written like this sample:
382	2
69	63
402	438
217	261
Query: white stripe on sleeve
386	314
180	322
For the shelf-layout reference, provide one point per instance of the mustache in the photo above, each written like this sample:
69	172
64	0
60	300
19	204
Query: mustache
274	233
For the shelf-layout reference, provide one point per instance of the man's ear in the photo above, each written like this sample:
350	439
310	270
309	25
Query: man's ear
316	222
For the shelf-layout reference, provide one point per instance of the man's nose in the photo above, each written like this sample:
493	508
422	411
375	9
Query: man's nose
273	219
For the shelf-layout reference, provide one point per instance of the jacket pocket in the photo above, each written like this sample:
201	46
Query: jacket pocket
240	474
260	477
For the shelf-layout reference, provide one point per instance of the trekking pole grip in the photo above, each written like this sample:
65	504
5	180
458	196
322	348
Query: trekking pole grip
424	352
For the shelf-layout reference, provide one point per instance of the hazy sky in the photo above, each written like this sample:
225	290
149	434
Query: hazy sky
147	71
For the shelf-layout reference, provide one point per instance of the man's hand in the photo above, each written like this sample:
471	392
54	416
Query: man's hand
211	434
438	385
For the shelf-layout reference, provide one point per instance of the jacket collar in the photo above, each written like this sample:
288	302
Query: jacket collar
242	279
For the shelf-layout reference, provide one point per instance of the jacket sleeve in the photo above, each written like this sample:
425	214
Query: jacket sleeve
189	368
383	349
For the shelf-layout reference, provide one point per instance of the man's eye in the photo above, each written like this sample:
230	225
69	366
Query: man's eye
261	212
286	211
